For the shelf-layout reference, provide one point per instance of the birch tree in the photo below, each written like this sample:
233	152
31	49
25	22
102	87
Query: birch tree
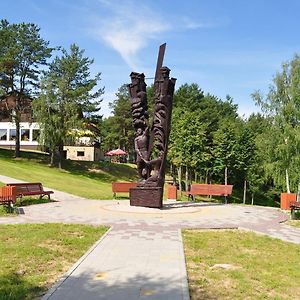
282	104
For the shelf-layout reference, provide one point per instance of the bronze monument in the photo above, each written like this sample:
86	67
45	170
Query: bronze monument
151	142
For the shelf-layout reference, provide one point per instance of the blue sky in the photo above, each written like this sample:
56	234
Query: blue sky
228	47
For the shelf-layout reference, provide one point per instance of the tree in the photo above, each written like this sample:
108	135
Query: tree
225	148
282	104
259	128
22	52
118	130
207	111
187	142
245	155
68	95
188	97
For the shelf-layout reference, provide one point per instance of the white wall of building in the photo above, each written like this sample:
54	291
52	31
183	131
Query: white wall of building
27	134
88	153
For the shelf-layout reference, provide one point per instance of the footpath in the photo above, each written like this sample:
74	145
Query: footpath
141	256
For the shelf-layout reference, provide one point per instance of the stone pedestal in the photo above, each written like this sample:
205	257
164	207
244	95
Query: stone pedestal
146	196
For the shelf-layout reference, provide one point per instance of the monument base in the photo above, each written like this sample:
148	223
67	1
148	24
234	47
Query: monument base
146	196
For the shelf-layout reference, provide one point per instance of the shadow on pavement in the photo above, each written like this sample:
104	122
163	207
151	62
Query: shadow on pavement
188	204
110	286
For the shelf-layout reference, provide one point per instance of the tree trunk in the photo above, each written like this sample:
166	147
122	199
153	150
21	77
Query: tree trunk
206	177
52	155
196	177
17	147
186	178
287	181
60	155
245	191
179	179
173	174
252	198
225	175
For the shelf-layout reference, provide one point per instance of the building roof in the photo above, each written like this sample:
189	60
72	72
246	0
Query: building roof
7	106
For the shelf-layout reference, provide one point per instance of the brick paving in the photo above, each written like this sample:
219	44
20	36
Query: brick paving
142	257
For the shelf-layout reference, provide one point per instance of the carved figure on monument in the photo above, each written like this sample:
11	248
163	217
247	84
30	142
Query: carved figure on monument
139	110
139	106
141	145
164	89
151	152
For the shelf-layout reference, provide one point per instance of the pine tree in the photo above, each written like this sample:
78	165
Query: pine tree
68	95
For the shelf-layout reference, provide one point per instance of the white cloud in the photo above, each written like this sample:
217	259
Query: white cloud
128	28
189	23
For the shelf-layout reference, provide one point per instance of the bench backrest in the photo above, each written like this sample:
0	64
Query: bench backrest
22	188
211	189
8	194
122	187
295	204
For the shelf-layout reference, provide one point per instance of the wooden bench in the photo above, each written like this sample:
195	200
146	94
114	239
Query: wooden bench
294	206
8	195
210	189
30	189
122	187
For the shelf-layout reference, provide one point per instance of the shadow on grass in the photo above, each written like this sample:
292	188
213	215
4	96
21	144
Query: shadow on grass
26	155
104	171
6	211
262	198
121	197
14	286
31	201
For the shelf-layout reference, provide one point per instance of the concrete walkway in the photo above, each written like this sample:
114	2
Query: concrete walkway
141	257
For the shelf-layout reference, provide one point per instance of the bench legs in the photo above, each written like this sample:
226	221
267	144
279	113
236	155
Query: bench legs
41	196
192	197
293	215
10	207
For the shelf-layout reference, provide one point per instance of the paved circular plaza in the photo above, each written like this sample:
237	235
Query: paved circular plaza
142	256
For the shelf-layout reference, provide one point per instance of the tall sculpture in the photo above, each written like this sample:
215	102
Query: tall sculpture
151	142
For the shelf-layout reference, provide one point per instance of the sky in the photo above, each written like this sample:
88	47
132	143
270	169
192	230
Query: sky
227	47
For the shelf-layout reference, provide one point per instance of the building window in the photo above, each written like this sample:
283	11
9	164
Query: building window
24	134
12	134
3	134
35	135
80	153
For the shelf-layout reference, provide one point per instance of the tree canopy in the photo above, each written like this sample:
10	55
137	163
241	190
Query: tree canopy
22	52
69	95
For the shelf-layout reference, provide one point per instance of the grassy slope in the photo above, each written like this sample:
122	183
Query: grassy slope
87	179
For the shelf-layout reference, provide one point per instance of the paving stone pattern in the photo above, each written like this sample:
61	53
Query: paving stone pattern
141	257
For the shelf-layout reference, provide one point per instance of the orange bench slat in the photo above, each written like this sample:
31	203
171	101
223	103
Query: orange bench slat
211	189
122	187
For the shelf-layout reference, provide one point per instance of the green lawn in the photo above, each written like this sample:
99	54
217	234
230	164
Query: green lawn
240	265
33	257
295	223
87	179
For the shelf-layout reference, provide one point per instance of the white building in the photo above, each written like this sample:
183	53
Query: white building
84	148
29	134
